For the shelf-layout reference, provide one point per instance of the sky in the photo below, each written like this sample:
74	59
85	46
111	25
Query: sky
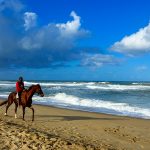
88	40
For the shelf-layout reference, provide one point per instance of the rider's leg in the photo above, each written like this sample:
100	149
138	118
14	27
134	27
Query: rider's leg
19	95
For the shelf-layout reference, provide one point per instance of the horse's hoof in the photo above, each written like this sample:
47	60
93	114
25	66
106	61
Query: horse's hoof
15	116
5	114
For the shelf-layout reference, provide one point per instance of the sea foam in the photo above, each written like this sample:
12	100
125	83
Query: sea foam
98	105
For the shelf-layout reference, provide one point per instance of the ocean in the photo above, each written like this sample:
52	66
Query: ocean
117	98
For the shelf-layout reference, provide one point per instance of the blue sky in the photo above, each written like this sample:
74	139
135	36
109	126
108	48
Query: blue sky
75	40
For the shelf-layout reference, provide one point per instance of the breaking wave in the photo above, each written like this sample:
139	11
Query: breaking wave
62	99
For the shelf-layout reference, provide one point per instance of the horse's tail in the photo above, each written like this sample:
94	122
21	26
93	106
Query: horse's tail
2	103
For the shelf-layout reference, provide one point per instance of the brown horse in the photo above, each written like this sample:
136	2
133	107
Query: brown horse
26	99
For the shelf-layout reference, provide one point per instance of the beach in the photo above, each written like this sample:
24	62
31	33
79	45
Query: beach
83	69
58	128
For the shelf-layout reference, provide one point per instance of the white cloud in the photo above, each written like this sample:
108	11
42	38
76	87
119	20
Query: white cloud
30	19
98	60
70	27
60	36
134	44
142	68
28	43
47	37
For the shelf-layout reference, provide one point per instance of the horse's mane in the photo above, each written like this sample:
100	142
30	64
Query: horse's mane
31	87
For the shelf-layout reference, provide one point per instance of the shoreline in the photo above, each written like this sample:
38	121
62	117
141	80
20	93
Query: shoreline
115	115
58	128
109	114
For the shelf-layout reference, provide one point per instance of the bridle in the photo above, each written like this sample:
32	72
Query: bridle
39	92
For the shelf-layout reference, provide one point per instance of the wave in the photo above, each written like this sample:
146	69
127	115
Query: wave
119	87
4	95
141	83
136	83
91	103
104	82
92	85
60	83
5	84
96	105
85	85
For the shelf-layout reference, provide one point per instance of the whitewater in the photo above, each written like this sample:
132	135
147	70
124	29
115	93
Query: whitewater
117	98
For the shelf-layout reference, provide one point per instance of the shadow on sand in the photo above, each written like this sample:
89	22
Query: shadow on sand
72	118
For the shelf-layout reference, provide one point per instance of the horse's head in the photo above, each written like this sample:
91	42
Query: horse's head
38	90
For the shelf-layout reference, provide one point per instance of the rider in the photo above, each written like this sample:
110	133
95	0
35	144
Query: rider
19	88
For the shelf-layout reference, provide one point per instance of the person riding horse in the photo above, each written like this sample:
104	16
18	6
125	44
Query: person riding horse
25	101
19	88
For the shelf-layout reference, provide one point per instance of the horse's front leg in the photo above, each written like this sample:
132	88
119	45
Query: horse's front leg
32	113
23	109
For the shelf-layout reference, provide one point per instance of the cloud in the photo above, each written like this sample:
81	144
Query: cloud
47	37
30	19
14	5
71	27
142	68
60	36
98	60
135	44
26	44
43	46
10	26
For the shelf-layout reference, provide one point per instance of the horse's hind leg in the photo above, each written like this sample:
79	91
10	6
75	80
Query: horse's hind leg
7	106
16	106
23	109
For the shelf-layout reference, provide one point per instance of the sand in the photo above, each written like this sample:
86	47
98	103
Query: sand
62	129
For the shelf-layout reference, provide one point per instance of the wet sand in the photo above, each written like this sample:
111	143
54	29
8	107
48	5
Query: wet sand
56	128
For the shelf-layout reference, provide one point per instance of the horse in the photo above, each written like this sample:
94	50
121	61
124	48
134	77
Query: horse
25	101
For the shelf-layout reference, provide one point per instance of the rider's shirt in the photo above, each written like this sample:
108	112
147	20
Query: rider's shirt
19	86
